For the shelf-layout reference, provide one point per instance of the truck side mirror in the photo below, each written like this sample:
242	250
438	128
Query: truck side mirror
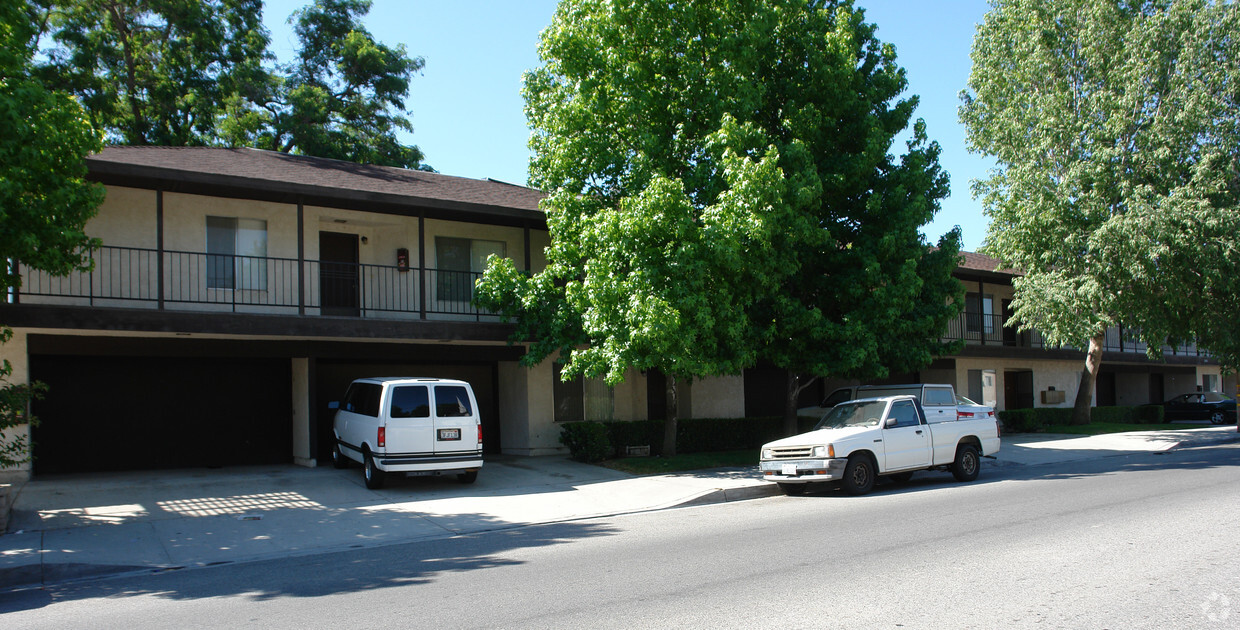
890	422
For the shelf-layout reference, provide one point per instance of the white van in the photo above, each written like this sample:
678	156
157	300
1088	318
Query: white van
416	426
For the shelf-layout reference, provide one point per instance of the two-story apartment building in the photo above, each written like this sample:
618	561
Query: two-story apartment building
237	293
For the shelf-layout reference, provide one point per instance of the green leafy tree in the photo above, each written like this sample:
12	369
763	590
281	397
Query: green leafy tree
720	191
155	72
1115	129
343	97
45	199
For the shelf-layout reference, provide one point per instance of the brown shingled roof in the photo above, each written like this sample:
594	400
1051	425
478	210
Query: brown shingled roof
267	169
981	262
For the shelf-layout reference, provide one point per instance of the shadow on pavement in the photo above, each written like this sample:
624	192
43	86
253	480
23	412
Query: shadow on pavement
347	571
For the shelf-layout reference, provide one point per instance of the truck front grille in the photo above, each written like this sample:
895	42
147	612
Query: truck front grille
792	452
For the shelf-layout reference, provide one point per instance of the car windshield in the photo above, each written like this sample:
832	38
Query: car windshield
853	414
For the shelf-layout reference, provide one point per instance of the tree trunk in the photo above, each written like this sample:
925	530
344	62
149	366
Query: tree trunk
1085	393
791	394
669	425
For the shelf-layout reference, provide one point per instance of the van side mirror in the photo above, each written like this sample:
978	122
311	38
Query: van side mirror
335	404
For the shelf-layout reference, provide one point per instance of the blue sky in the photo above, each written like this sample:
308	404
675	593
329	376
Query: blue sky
466	105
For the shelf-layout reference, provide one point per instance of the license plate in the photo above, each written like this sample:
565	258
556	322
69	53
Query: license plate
449	434
789	470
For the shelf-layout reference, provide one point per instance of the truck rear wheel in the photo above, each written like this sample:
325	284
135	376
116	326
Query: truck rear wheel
859	475
967	463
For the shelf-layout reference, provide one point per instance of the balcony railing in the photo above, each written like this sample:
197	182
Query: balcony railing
995	330
174	280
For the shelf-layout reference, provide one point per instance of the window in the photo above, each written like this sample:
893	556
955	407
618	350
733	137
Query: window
452	401
979	312
410	402
905	414
459	262
362	399
938	396
236	253
582	398
1209	382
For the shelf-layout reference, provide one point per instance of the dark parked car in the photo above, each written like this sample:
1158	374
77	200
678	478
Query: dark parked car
1211	406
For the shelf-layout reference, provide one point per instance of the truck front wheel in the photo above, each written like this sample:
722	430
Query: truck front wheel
859	475
967	463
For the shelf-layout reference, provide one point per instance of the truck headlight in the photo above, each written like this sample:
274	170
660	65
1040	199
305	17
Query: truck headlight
766	453
827	451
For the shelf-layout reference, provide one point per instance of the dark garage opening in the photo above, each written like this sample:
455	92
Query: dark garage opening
136	413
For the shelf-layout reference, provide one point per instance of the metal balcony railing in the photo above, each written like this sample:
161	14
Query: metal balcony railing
146	278
995	330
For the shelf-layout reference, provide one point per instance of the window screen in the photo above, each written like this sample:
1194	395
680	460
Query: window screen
411	402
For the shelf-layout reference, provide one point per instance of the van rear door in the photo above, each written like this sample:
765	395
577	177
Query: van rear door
456	419
410	428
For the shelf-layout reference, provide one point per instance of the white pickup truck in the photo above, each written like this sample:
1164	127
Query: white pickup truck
860	440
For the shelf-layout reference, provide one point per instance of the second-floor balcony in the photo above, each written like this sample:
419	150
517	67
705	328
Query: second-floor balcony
128	277
984	329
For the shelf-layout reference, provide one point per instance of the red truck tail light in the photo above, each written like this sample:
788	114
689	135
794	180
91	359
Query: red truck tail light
964	414
382	437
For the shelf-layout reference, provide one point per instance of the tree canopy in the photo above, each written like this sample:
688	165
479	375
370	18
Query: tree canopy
1116	133
199	72
45	199
720	191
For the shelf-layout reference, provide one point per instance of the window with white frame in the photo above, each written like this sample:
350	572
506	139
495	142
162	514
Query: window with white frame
236	253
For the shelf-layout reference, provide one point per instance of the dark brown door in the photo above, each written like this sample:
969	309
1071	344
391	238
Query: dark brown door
1156	388
338	274
1018	390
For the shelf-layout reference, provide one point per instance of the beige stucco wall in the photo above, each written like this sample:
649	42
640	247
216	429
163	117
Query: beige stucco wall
1062	375
303	398
126	218
15	353
718	397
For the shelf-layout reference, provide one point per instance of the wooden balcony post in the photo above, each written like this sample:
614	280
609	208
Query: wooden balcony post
159	246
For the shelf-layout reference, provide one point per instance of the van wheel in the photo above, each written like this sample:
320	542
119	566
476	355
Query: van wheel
374	476
859	475
468	477
339	461
967	464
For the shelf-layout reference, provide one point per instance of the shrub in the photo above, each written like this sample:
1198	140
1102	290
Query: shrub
1019	421
586	441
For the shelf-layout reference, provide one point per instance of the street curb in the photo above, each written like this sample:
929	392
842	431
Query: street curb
728	495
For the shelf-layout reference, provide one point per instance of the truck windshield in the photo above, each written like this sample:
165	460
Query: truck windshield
853	414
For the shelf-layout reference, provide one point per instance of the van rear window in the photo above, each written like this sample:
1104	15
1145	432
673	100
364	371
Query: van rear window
452	401
410	402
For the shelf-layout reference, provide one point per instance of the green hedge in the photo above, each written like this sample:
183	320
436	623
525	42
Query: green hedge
1034	420
693	435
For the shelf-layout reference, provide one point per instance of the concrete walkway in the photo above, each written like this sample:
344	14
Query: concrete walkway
81	526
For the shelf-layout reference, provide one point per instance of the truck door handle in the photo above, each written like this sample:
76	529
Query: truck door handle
919	432
876	441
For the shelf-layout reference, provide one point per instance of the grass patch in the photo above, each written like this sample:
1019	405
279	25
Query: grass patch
689	461
1100	428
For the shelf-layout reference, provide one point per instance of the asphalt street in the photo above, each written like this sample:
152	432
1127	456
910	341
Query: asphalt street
1143	541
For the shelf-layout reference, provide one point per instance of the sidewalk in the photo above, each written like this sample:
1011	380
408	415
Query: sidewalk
79	526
